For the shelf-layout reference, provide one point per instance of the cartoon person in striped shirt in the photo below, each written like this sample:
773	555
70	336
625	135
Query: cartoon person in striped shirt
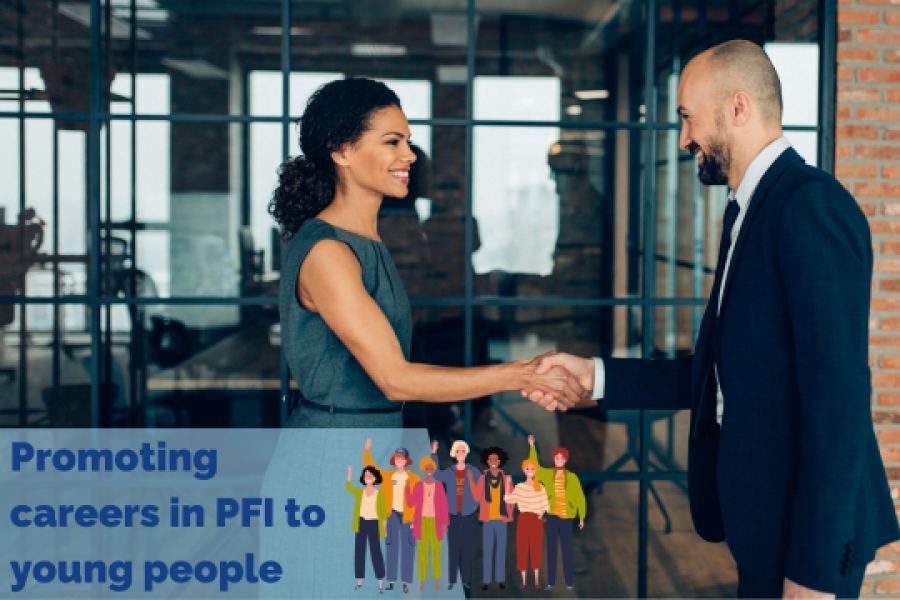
566	505
531	498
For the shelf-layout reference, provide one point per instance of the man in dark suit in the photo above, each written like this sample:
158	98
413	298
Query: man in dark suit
783	462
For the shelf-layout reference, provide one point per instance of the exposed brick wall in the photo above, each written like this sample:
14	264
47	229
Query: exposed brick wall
868	164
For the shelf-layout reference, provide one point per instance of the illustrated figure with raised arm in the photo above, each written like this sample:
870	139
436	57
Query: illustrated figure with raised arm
430	521
531	498
346	321
400	542
369	516
490	491
783	462
566	504
462	506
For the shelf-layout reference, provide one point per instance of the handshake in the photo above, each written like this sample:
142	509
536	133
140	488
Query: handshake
557	381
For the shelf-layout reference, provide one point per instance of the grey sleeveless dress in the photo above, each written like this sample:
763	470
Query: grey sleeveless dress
324	369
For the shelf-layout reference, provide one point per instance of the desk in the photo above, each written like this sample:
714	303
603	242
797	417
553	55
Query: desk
244	361
240	375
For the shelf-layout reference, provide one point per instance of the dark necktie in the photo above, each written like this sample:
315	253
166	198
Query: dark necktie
708	404
731	214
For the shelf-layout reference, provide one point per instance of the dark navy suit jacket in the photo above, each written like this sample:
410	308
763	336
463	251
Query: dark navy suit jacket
793	478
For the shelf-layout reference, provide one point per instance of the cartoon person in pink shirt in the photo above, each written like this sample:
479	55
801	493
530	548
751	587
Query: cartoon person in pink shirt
430	521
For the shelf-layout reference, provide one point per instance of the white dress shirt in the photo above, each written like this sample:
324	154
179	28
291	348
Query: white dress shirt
744	193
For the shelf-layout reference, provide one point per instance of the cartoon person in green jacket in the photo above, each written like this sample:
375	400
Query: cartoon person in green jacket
566	504
369	518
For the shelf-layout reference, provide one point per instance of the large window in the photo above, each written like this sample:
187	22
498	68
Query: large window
139	143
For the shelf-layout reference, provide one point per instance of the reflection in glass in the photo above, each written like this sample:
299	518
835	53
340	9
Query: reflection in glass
513	200
425	231
203	52
558	211
581	44
45	366
189	198
688	224
194	365
418	49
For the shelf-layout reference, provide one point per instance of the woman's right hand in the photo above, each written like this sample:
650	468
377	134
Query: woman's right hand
349	472
562	387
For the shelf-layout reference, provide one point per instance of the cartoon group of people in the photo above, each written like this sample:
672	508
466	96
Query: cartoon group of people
413	512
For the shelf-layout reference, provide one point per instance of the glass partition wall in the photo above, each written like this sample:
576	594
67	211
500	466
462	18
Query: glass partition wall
552	210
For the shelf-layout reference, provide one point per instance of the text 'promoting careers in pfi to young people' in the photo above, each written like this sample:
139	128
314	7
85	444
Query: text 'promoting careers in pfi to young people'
43	470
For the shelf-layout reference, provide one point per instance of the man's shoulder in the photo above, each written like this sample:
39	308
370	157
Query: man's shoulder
805	187
802	179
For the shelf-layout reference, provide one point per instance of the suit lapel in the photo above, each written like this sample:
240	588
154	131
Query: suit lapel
787	157
709	335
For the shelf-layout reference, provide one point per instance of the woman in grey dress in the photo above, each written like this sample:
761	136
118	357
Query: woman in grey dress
346	323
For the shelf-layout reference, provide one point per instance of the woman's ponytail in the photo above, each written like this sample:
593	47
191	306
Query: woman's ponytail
304	190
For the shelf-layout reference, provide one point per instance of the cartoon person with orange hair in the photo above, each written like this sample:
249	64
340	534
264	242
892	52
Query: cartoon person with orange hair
531	498
566	504
429	501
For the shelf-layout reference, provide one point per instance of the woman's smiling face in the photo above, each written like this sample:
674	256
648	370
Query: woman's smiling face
379	162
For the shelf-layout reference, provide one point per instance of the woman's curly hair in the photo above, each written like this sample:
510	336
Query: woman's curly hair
337	114
500	452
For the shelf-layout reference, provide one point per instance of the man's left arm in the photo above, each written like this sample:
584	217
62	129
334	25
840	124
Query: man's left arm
824	253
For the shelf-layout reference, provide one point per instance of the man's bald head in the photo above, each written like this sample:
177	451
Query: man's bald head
739	65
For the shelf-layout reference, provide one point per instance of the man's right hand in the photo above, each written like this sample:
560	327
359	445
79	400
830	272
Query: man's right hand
582	369
368	443
558	388
531	440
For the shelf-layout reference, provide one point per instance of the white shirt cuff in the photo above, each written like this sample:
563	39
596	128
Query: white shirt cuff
599	379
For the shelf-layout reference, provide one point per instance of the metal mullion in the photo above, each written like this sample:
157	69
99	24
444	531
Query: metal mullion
7	300
57	116
94	208
551	301
138	364
191	118
827	82
285	150
602	125
57	329
470	230
649	284
603	476
271	300
23	316
106	353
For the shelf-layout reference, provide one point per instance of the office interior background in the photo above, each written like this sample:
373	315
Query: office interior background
550	209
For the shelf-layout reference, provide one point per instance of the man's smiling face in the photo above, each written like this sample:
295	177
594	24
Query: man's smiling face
703	128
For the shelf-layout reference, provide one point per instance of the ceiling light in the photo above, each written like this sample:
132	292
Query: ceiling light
147	16
198	69
453	74
278	30
573	110
378	50
119	30
592	94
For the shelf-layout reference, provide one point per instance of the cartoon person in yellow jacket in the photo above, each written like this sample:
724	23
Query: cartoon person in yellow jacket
566	504
399	541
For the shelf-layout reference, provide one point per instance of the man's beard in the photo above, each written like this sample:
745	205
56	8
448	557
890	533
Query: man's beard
716	164
716	158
